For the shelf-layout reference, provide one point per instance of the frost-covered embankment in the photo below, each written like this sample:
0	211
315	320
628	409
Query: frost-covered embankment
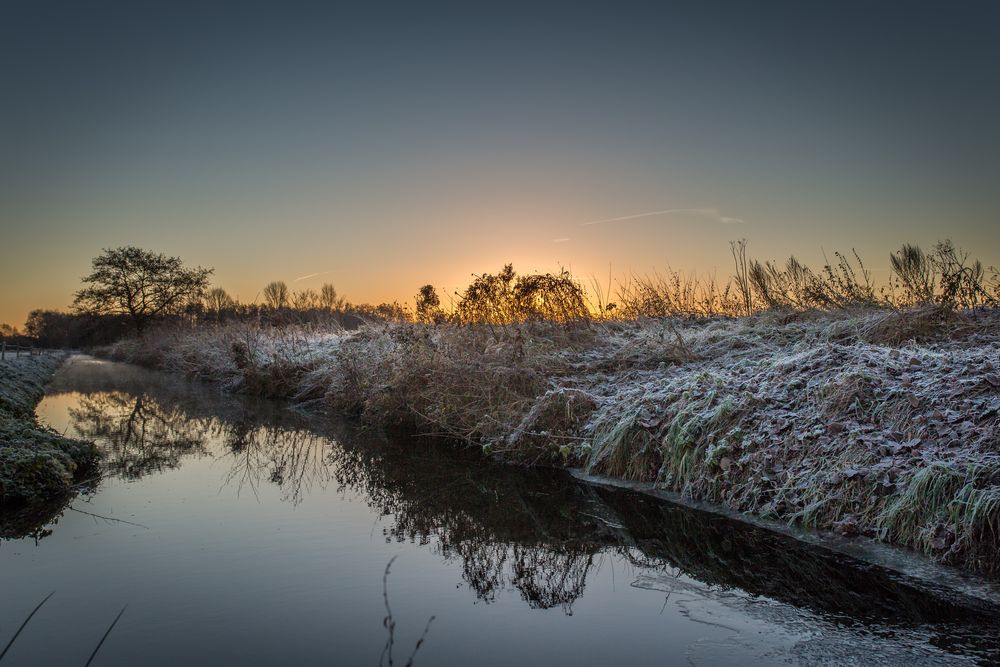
36	463
880	423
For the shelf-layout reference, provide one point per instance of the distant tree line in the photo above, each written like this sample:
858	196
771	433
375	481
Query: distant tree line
11	335
55	329
282	306
130	288
80	330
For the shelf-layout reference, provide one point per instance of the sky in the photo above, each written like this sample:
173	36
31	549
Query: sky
379	147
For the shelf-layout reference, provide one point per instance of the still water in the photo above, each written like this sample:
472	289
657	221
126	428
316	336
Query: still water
241	532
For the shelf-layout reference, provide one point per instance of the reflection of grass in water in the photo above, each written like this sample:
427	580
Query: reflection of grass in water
521	529
732	555
23	624
390	624
541	535
149	422
104	637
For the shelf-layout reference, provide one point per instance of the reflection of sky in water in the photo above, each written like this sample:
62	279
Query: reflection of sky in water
263	541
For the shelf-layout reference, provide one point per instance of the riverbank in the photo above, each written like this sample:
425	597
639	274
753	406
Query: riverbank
871	422
37	464
213	506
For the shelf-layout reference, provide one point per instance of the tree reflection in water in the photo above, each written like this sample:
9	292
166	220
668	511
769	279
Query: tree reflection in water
138	434
537	532
498	522
147	433
509	528
293	459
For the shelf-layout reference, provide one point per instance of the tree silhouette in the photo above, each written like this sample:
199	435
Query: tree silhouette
329	299
217	300
141	284
276	294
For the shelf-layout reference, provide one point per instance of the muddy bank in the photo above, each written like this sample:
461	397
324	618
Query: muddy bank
37	465
876	423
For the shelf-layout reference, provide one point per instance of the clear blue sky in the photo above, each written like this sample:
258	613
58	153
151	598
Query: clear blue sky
383	147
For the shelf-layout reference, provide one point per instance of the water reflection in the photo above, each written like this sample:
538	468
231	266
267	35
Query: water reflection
148	422
539	533
34	520
139	434
293	459
510	528
146	433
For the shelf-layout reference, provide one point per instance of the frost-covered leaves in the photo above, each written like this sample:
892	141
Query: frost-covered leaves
809	422
22	382
29	469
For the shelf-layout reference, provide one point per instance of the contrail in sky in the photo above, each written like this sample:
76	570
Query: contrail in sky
711	213
311	275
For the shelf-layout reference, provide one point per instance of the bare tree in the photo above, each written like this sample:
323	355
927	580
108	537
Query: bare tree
141	284
304	300
276	294
329	299
218	300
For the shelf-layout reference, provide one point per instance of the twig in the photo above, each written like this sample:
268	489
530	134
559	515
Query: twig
109	518
86	481
11	642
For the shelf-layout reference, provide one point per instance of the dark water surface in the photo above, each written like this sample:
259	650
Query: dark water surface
240	532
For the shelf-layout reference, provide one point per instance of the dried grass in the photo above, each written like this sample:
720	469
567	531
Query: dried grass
845	420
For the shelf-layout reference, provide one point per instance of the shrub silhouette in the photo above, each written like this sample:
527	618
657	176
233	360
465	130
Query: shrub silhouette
506	298
429	305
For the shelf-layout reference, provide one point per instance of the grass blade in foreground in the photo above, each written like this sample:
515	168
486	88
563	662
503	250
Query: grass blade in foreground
11	642
106	633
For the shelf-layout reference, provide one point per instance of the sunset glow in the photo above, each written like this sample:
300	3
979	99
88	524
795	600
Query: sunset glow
381	151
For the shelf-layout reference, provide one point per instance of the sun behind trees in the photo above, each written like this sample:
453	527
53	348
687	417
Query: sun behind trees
140	284
130	287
